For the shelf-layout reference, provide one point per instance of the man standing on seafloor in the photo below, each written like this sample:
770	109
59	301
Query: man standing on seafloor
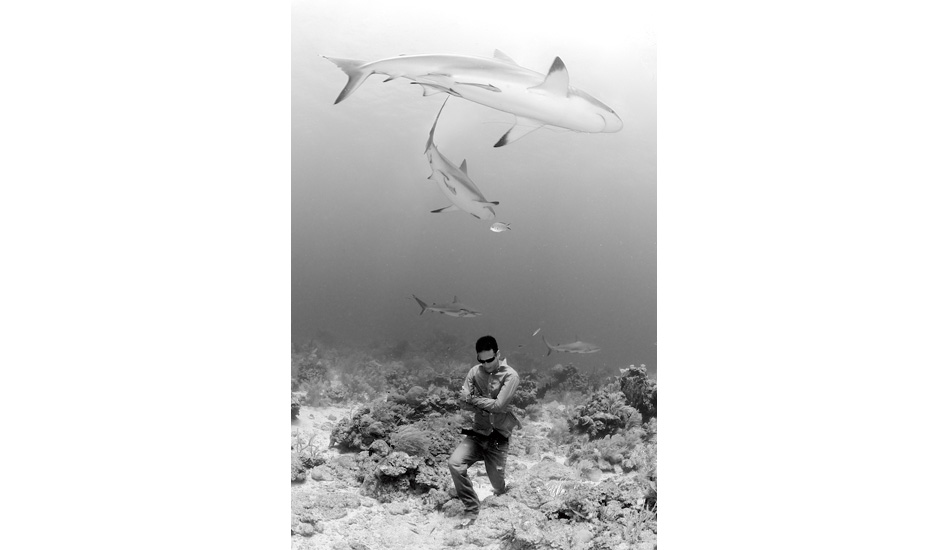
487	390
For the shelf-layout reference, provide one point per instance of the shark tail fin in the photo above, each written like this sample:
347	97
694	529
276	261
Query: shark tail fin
432	130
421	303
546	344
354	71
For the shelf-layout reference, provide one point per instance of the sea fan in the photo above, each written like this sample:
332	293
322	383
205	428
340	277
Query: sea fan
410	440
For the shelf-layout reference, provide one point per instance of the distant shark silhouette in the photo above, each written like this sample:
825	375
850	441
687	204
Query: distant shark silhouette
455	309
498	82
454	182
573	347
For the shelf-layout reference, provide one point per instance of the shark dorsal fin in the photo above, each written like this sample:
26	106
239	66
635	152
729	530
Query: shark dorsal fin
456	300
501	56
557	81
464	167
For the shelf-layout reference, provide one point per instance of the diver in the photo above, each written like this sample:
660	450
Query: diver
488	389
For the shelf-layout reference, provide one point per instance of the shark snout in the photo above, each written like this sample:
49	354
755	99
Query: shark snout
612	122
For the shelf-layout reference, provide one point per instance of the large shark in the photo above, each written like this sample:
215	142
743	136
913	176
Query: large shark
573	347
455	183
498	82
455	309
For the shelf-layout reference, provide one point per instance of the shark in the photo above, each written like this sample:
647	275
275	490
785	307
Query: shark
455	309
454	182
573	347
536	99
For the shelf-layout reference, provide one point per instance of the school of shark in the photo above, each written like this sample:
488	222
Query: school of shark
535	99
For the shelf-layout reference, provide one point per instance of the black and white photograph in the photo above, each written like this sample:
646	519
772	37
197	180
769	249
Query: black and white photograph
474	237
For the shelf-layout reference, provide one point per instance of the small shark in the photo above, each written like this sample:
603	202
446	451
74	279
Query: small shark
573	347
454	182
498	82
455	309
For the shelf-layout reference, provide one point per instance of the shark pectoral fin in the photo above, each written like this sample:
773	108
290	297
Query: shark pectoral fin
522	127
432	89
499	55
557	81
451	208
463	167
488	87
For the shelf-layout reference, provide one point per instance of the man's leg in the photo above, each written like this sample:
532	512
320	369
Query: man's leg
496	456
466	454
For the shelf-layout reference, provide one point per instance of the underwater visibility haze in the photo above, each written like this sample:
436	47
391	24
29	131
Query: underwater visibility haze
394	188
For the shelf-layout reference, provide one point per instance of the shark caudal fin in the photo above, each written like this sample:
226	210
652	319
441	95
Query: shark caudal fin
434	122
546	344
354	72
421	303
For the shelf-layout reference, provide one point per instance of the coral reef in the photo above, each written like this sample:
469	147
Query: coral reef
581	471
640	390
605	413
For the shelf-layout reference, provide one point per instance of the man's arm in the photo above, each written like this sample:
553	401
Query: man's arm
465	394
499	404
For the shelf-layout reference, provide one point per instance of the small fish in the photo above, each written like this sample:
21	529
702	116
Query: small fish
498	227
536	332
